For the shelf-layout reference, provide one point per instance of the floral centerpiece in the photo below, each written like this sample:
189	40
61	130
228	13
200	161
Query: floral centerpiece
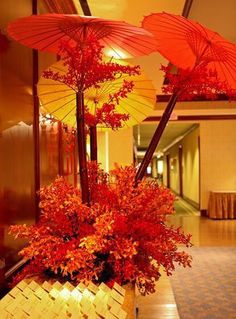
114	228
122	236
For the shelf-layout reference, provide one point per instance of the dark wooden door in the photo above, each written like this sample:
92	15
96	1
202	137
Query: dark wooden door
180	170
168	170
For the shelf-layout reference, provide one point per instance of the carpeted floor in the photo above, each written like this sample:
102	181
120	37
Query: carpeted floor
208	289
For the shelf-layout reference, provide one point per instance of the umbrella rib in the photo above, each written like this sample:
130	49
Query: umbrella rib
48	33
54	92
52	42
135	37
142	95
133	47
141	103
58	99
60	107
92	108
136	83
135	78
174	29
222	69
127	112
20	27
129	47
118	27
141	41
125	123
109	87
232	54
128	102
90	105
52	83
74	108
200	48
49	17
111	47
97	32
59	69
50	29
105	88
184	23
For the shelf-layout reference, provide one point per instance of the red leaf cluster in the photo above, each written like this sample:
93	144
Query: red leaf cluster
198	82
123	236
86	68
106	115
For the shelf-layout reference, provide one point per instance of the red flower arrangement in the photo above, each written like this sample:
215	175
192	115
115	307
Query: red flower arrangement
122	236
86	68
107	115
198	82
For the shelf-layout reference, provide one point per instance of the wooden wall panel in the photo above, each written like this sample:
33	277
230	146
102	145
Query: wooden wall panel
16	139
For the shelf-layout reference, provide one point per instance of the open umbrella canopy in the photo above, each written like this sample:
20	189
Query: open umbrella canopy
60	100
45	32
187	43
118	39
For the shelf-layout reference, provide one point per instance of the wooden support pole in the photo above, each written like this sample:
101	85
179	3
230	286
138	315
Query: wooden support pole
35	76
60	148
156	137
82	147
93	143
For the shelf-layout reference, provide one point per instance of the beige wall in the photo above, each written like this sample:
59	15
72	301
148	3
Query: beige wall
115	147
164	171
102	144
191	166
218	157
121	147
174	168
217	161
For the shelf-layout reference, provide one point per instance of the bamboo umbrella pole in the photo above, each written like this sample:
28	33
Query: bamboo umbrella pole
81	138
156	137
93	143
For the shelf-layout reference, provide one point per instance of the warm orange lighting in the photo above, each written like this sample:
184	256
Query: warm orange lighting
65	293
76	294
160	167
117	54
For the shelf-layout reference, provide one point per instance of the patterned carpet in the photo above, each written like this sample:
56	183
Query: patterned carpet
208	289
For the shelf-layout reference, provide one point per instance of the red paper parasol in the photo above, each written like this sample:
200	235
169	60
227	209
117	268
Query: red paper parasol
188	45
45	32
119	39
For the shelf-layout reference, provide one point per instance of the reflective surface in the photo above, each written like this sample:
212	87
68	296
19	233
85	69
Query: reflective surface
205	232
16	138
208	232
